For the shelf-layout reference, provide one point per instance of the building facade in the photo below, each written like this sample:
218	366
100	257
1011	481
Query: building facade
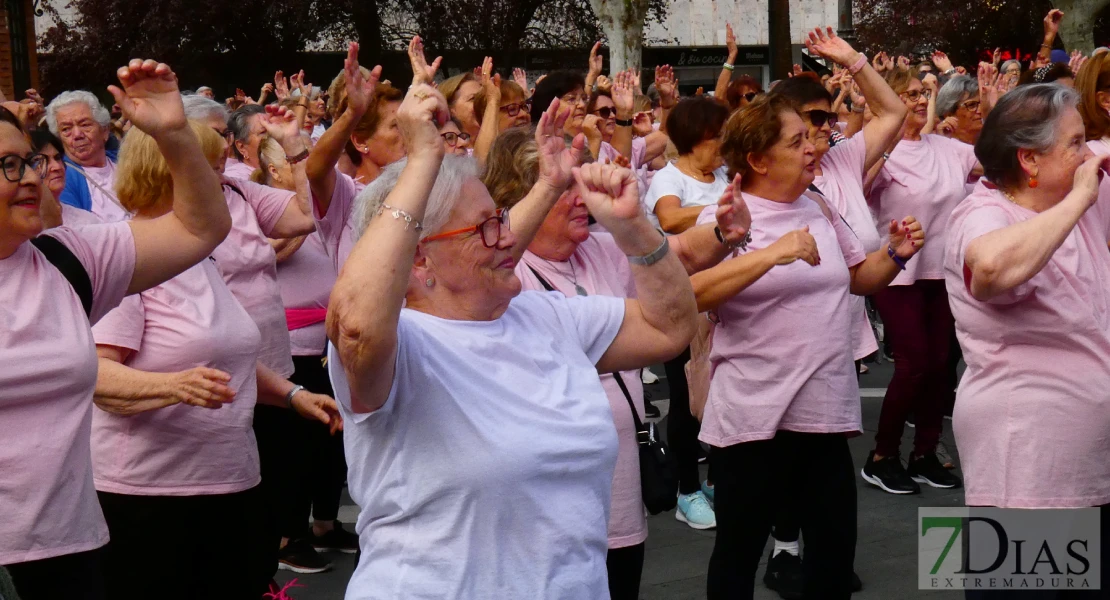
19	68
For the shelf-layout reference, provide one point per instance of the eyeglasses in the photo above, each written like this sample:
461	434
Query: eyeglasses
453	138
916	95
819	117
514	109
223	132
605	112
971	105
574	98
15	166
490	229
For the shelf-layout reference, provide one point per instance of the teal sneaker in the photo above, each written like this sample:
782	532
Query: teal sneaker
694	510
708	491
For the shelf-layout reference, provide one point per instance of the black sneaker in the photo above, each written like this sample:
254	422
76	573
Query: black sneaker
888	475
784	575
650	410
927	469
336	540
857	583
299	556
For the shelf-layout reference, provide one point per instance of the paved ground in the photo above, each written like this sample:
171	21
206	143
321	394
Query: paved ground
677	556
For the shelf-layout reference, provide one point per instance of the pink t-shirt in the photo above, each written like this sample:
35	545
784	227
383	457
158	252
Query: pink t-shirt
104	202
235	169
47	497
1101	147
75	217
189	321
336	229
925	179
841	182
306	279
782	353
249	267
1032	416
602	269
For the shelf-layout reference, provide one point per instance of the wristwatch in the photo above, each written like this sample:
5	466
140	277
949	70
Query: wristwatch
654	256
624	122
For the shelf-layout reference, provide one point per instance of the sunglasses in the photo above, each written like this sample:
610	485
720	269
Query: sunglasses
453	138
818	117
606	112
490	229
514	109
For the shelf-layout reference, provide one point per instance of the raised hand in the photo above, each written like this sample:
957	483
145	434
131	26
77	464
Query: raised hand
730	43
596	61
591	127
297	82
624	96
1088	176
419	117
888	62
996	58
947	127
422	72
486	73
267	89
317	407
557	159
829	45
202	387
666	85
942	62
700	91
281	123
642	124
834	81
903	63
33	94
1052	22
360	89
877	63
930	83
521	79
733	216
603	84
796	245
907	237
281	86
611	193
149	97
1076	61
797	70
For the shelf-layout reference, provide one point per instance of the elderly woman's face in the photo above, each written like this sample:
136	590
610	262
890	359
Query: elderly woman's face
816	117
55	170
81	135
969	118
513	113
462	265
574	103
568	220
607	112
454	140
916	99
791	161
19	200
1012	69
462	105
248	148
220	127
386	146
1056	167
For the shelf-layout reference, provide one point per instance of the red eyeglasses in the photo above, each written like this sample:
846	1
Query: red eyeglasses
490	229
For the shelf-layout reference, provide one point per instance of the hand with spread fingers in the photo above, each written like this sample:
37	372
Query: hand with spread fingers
149	97
360	89
733	216
557	158
422	72
906	237
419	117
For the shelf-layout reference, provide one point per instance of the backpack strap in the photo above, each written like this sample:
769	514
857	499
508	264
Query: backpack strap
547	286
71	268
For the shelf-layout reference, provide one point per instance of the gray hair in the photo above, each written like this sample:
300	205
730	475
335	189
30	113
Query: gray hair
446	193
199	108
1027	117
1006	65
101	114
955	91
239	124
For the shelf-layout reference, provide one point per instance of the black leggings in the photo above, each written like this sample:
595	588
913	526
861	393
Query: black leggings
303	468
72	577
625	565
813	473
682	427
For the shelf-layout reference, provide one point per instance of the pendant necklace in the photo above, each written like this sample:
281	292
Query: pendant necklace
578	289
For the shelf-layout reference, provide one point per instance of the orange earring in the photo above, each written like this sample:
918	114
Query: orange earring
1032	182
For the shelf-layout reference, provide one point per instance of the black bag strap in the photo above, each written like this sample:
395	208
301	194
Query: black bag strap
64	260
640	428
547	286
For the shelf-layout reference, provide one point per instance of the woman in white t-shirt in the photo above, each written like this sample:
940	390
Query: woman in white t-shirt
53	525
697	179
490	395
565	256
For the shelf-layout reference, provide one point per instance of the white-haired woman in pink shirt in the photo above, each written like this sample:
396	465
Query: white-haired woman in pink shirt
1029	282
51	288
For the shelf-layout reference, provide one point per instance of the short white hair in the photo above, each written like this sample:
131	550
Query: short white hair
101	114
200	108
446	193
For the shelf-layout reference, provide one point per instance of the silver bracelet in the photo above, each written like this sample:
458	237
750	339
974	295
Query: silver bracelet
289	396
400	215
654	256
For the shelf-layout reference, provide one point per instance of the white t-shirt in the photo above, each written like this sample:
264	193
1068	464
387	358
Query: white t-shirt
669	181
487	472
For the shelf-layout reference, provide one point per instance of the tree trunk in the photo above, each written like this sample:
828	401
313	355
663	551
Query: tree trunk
1077	28
778	38
623	23
368	25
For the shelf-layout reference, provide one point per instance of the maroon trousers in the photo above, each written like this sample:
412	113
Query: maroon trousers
918	322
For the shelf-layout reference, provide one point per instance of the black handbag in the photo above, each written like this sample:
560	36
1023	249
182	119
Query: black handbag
658	468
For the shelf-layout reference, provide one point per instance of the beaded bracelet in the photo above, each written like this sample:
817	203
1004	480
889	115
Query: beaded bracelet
728	66
400	215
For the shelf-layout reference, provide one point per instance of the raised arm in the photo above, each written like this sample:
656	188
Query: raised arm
422	72
1006	258
320	166
661	322
624	96
166	246
594	71
887	109
125	391
667	86
557	159
491	121
726	70
285	127
1051	28
366	301
930	85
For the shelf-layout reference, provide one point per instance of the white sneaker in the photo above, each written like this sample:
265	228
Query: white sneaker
648	377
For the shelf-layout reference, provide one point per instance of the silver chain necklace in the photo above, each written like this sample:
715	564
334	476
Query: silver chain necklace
578	289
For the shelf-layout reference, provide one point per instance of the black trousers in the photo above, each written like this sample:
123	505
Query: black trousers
813	473
682	427
625	566
72	576
303	468
173	547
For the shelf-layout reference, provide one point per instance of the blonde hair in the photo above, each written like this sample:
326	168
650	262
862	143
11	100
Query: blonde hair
337	93
899	79
1094	77
270	153
450	86
641	103
512	167
509	90
142	175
